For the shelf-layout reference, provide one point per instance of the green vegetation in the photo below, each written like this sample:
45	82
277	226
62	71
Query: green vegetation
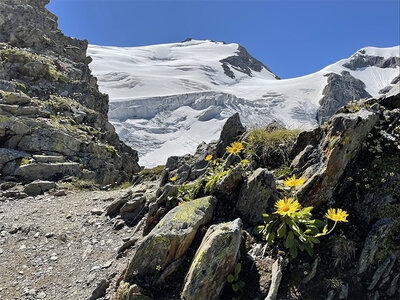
123	291
271	147
294	224
23	161
152	174
237	285
20	87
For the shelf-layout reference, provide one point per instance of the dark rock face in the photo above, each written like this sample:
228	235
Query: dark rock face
50	104
242	62
340	90
231	131
363	61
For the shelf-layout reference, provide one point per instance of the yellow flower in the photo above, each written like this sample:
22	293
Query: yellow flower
235	148
181	202
208	157
172	179
339	215
286	207
293	181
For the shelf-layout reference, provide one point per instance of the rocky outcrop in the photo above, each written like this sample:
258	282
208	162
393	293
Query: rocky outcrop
340	145
50	104
231	132
213	262
339	91
170	239
258	193
242	62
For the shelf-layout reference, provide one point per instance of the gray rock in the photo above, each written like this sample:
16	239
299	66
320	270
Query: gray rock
393	286
242	61
172	162
227	185
171	237
47	171
339	91
15	98
7	155
100	290
382	271
213	262
258	193
372	243
340	145
38	187
183	173
276	279
48	158
230	133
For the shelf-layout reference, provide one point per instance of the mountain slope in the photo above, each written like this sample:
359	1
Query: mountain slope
166	99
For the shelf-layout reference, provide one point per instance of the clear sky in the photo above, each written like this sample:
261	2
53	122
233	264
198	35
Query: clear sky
291	37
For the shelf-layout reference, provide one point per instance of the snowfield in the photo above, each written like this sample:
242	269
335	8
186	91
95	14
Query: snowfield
166	99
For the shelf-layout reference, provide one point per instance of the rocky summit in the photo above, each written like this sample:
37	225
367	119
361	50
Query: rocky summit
260	213
53	119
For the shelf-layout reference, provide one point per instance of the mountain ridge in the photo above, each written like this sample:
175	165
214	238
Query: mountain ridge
194	69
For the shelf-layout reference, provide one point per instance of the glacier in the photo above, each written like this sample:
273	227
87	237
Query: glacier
166	99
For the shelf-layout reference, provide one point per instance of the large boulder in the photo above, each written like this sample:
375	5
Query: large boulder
171	237
341	143
213	262
258	193
231	131
38	187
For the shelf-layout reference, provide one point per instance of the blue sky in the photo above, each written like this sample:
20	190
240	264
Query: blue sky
291	37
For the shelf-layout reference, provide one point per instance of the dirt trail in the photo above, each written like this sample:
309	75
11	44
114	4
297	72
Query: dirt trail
58	247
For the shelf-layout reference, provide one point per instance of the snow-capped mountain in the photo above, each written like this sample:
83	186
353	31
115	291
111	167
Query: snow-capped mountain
166	99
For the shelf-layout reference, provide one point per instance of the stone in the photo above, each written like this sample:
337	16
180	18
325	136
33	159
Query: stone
49	158
258	193
276	279
374	239
47	171
340	145
230	133
118	224
15	98
385	267
227	185
100	290
7	155
171	237
183	174
38	187
60	193
214	260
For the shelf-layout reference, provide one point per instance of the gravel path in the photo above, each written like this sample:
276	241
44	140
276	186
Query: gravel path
58	247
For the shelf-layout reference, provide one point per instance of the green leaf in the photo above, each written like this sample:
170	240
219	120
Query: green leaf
241	284
293	251
271	238
230	278
235	287
314	240
238	268
301	247
289	240
309	250
282	230
236	277
259	229
307	210
319	223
